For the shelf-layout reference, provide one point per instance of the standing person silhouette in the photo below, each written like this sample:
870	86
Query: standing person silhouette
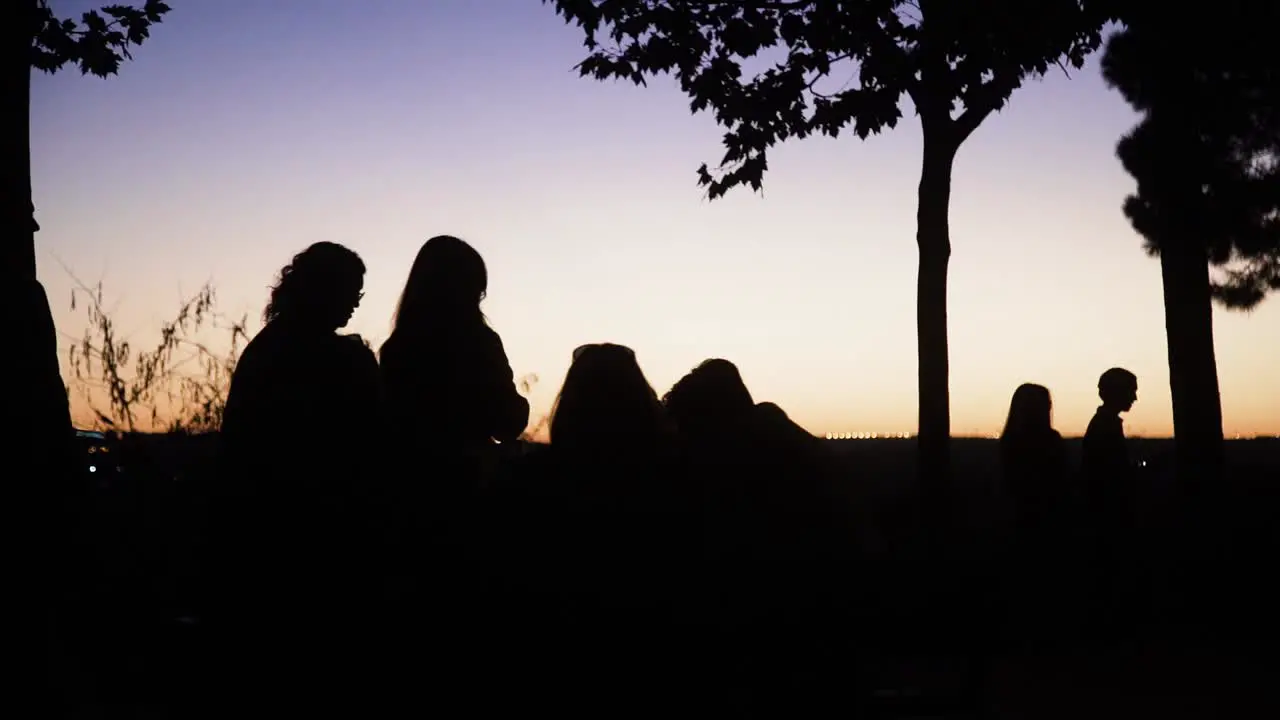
1110	497
293	522
1105	450
448	383
1032	458
450	395
1033	464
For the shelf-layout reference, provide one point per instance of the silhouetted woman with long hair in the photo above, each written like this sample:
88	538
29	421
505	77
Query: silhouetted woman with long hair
293	525
450	395
597	541
1032	455
1033	461
449	386
606	407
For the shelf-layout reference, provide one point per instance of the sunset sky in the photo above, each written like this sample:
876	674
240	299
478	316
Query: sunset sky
245	130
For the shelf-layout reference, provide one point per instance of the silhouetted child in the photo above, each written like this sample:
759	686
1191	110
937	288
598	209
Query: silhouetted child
1110	495
1105	451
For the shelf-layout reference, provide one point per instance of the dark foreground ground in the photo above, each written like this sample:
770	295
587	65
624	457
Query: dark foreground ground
943	638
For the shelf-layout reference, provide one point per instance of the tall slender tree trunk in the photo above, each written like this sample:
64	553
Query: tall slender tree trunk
933	237
1193	367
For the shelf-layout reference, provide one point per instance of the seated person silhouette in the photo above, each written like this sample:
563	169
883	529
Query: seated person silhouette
711	402
596	540
771	537
291	525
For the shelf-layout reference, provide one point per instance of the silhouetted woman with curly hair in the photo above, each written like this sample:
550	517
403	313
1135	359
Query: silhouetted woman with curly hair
294	524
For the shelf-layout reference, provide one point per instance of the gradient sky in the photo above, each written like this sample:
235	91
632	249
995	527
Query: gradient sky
245	130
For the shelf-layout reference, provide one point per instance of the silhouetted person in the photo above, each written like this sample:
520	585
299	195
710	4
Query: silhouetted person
293	530
598	543
450	395
773	545
449	386
1109	484
1033	464
606	409
1104	450
1033	458
712	400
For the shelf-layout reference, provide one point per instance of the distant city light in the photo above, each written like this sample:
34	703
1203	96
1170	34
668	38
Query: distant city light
866	435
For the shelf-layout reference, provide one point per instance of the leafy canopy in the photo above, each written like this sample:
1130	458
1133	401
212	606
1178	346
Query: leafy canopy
98	43
1206	156
949	57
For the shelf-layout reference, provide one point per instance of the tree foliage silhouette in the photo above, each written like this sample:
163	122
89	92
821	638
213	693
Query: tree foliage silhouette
1206	158
98	43
957	62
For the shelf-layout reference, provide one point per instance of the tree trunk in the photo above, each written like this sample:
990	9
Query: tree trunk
934	240
38	397
40	447
16	212
1193	367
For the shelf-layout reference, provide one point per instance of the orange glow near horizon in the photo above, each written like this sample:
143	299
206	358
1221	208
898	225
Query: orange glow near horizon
226	146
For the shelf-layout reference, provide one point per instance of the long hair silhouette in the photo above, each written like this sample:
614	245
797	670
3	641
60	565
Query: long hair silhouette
446	285
1030	412
605	401
711	393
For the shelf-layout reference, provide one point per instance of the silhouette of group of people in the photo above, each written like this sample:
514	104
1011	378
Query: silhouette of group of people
378	507
381	532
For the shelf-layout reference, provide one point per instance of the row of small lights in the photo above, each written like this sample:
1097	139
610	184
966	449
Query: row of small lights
867	436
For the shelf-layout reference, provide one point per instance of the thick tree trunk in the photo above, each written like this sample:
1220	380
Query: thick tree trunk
15	146
39	449
38	398
1193	367
934	240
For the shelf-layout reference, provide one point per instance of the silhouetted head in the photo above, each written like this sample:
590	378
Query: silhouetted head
1030	412
322	287
711	395
1118	389
605	403
446	284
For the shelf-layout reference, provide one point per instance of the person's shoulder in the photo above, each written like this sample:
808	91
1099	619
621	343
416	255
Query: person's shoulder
263	343
354	348
487	335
